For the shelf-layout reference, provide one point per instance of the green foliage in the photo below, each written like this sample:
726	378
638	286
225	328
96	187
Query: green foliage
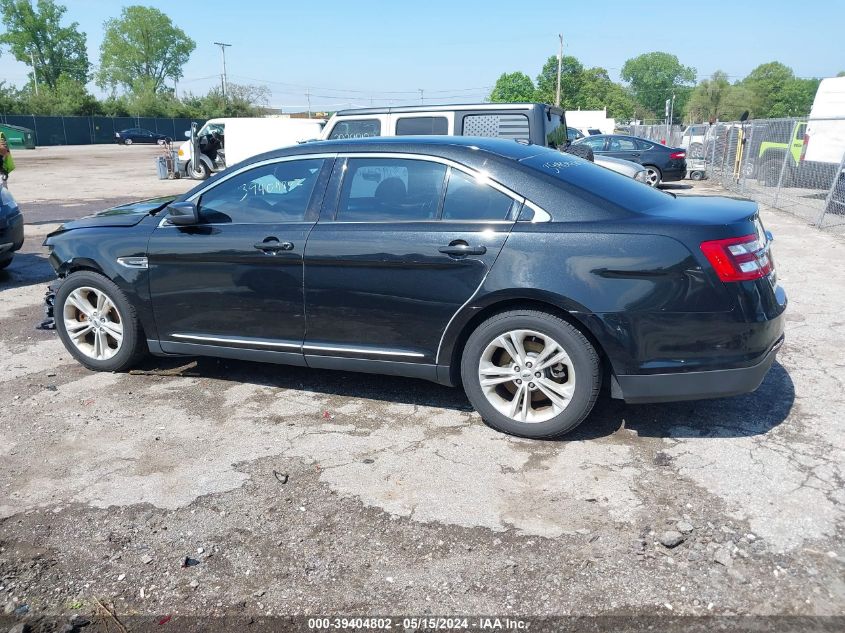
36	32
513	87
240	100
715	98
571	79
598	91
142	45
774	91
655	77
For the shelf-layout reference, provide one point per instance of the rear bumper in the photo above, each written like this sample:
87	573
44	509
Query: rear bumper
696	385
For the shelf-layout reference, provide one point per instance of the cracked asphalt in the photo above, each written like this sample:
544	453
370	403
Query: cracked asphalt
295	491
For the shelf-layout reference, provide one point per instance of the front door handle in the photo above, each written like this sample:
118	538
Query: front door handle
273	246
461	249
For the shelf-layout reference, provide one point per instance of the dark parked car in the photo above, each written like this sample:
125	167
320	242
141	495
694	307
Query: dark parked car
11	227
664	164
140	135
526	275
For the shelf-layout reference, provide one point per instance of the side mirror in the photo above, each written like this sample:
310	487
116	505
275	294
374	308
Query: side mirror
744	116
183	213
187	133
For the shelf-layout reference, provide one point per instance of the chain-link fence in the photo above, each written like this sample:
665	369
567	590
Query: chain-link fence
669	135
795	164
87	130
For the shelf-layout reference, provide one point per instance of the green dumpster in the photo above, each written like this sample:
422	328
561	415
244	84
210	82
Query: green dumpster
18	137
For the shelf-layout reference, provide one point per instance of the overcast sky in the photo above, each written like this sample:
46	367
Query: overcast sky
382	52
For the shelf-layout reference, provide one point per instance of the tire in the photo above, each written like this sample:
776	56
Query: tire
5	262
654	175
576	378
581	151
696	175
201	173
82	288
160	142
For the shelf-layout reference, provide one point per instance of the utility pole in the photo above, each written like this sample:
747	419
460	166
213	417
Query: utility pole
223	52
559	69
308	98
422	99
34	71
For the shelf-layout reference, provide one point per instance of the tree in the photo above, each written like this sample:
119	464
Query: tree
142	45
513	88
655	77
598	91
776	92
570	82
707	100
36	33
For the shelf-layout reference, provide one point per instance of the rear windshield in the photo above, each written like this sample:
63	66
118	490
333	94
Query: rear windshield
596	181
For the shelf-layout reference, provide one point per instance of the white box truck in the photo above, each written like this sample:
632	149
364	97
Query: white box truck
227	141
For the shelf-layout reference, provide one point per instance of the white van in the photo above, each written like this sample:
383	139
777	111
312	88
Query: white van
226	142
824	138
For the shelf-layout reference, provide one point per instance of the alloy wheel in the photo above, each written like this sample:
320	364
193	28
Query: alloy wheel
652	177
527	376
93	323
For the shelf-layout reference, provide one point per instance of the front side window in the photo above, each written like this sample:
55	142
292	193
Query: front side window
573	134
512	126
422	125
594	142
622	144
274	193
470	199
390	190
356	128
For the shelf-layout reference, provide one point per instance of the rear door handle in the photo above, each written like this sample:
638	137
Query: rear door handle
460	250
273	246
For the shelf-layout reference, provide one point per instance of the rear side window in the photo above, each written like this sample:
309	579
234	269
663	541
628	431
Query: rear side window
642	145
422	125
512	126
471	199
390	190
356	128
555	131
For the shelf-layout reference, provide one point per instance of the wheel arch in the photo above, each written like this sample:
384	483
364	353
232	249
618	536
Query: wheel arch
560	307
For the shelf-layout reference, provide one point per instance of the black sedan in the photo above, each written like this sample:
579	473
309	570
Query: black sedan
527	276
664	164
11	227
139	135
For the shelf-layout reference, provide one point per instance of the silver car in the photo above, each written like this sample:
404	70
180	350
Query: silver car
624	167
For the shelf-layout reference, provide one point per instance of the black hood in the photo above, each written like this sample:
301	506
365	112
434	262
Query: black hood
123	215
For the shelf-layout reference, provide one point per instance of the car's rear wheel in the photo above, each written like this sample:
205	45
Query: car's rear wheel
96	322
653	175
127	141
530	373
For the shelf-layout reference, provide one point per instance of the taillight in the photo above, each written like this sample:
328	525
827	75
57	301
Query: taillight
738	258
804	146
677	155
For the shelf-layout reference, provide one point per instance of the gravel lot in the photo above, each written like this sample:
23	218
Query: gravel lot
294	491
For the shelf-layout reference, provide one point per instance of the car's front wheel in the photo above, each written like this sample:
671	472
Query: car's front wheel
530	373
201	172
127	141
96	322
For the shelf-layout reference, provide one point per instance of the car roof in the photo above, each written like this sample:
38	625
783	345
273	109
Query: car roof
446	108
506	148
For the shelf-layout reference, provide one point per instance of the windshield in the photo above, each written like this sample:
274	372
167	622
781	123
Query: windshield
593	180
